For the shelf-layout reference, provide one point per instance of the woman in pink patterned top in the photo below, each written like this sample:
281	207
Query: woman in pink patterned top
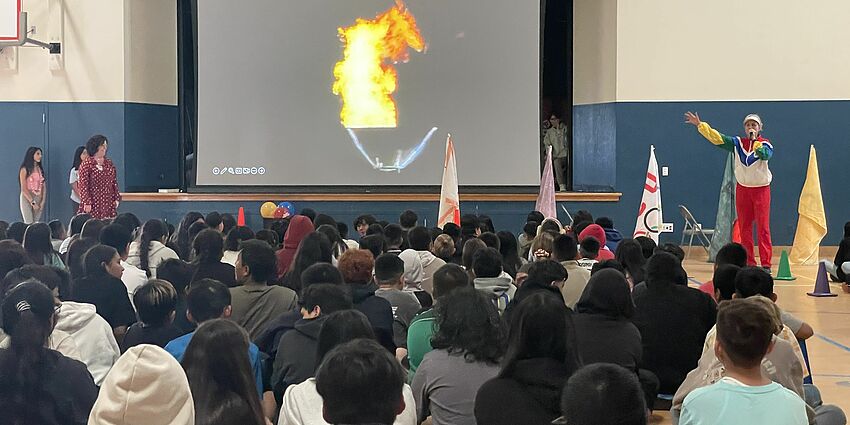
98	184
33	186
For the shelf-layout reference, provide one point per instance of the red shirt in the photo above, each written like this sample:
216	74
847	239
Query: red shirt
98	187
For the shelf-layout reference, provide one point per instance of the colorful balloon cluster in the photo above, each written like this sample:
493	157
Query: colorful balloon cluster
277	211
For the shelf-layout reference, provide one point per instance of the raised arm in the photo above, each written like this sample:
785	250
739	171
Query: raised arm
715	137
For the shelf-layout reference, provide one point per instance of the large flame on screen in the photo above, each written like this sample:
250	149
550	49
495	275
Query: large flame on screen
366	76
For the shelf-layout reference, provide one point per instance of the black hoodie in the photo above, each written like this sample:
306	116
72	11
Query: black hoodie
531	395
377	310
296	355
604	333
673	320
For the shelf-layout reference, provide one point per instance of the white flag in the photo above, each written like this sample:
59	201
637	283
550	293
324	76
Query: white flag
449	199
650	219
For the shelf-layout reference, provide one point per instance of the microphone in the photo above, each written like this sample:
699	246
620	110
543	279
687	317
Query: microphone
753	135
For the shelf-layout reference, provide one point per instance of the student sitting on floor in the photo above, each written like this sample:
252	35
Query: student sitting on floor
752	281
673	320
744	395
731	253
155	302
589	252
839	269
603	394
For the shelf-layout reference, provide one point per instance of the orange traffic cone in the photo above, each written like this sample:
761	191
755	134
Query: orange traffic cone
821	284
240	218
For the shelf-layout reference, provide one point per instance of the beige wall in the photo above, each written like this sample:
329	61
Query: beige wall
113	51
674	50
595	51
150	52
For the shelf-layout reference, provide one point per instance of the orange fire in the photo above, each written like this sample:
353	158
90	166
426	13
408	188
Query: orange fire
366	76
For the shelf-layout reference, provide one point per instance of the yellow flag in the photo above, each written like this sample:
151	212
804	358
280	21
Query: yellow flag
811	226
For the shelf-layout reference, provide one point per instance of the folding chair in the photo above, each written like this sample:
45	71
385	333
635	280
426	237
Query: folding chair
692	228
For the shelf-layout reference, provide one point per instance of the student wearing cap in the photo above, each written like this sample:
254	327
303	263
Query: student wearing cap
752	193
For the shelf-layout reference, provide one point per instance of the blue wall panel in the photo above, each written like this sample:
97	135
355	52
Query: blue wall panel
71	125
22	126
151	147
594	147
696	167
610	147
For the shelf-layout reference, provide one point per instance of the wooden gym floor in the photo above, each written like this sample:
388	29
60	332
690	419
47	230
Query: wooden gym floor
829	348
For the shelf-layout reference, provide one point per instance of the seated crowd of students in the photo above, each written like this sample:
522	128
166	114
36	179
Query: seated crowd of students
124	322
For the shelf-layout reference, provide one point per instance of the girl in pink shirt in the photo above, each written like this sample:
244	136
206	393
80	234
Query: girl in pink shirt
33	186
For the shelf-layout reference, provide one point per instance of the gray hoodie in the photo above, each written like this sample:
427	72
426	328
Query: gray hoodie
500	287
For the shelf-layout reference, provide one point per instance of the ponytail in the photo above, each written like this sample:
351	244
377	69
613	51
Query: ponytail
27	311
153	230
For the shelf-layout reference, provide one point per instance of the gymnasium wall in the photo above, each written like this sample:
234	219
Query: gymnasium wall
119	78
723	59
638	66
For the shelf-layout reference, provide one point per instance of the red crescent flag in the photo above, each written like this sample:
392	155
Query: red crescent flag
449	199
650	219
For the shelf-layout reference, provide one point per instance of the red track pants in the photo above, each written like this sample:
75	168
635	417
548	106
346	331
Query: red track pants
753	204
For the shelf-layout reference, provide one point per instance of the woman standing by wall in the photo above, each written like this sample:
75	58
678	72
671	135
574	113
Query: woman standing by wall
33	186
80	155
98	183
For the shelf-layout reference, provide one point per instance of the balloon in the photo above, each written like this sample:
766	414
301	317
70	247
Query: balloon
281	213
290	209
267	210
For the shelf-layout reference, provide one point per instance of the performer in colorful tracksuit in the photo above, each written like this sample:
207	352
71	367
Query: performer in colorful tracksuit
752	194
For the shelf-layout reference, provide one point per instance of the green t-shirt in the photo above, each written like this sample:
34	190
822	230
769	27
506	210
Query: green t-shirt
419	339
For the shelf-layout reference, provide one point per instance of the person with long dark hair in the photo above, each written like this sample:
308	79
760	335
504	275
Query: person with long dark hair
180	239
468	346
178	273
509	249
604	329
630	255
98	184
40	386
33	185
38	246
80	155
102	286
302	404
75	226
150	250
74	256
209	247
541	355
57	233
194	229
338	246
231	243
314	248
220	375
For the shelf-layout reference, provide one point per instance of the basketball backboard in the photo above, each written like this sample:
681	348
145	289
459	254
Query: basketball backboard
10	23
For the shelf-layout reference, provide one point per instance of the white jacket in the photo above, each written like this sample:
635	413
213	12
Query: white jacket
133	277
302	405
157	254
93	336
60	341
146	386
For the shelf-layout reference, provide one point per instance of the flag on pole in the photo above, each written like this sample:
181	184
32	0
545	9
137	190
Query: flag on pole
726	213
650	218
546	196
449	199
811	226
